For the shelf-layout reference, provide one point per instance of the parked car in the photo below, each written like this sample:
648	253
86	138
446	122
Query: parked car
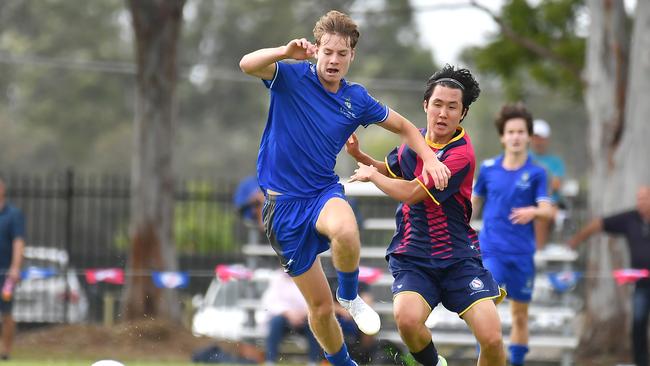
42	296
221	312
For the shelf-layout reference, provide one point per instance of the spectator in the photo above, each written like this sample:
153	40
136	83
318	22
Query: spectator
248	201
287	312
555	172
634	224
12	244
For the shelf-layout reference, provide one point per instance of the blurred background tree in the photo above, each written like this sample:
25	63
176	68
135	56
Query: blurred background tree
582	50
70	93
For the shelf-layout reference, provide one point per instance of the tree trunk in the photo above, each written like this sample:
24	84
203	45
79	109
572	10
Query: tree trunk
606	78
156	25
634	151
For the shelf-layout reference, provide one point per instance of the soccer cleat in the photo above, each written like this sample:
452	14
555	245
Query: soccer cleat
441	361
366	318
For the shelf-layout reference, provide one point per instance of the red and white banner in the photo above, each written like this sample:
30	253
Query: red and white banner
629	275
108	275
227	272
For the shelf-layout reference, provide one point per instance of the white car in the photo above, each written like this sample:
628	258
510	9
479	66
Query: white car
42	298
222	312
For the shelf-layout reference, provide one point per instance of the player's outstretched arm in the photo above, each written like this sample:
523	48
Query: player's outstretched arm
261	63
409	192
596	225
432	168
353	148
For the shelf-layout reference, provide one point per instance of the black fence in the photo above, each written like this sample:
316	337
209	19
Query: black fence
77	223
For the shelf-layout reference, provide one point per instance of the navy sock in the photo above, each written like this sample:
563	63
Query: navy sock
348	284
340	358
517	354
428	356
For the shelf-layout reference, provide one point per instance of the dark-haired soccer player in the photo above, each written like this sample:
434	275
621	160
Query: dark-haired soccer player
313	111
434	255
512	190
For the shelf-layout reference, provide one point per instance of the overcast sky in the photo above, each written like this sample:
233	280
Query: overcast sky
448	26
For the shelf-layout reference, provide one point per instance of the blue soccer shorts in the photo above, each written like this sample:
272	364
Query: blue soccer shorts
514	272
458	285
290	226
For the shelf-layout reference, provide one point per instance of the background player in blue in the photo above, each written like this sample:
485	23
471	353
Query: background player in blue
513	191
434	255
12	244
312	113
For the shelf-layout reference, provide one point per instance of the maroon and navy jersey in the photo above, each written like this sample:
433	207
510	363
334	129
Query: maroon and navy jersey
437	227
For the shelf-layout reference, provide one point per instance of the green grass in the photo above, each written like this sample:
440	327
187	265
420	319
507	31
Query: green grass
90	362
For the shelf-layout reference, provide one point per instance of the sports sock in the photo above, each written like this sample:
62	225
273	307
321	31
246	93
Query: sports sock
340	358
428	356
517	354
348	284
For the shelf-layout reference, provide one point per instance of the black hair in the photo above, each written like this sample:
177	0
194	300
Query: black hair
451	77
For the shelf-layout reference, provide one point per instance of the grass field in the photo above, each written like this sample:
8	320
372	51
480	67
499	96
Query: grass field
90	362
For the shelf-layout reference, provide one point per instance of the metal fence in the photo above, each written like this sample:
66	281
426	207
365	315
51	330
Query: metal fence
85	219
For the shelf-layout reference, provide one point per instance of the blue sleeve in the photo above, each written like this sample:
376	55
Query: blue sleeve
285	75
392	163
373	111
480	187
540	186
17	226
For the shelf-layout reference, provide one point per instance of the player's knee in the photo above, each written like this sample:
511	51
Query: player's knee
491	342
321	311
345	233
406	322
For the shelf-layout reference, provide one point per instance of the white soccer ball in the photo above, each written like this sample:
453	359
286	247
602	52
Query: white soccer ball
107	363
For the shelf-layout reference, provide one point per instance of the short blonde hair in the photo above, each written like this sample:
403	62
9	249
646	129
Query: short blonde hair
335	22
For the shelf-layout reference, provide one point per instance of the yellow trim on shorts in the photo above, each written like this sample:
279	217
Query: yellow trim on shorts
417	293
497	300
427	190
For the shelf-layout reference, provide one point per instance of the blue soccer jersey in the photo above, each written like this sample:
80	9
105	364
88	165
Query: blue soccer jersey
437	227
12	227
307	127
503	190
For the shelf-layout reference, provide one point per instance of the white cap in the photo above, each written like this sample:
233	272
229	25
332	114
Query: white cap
541	128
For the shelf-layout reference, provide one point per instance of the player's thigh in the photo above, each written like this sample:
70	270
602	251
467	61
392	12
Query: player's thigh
484	321
314	288
336	218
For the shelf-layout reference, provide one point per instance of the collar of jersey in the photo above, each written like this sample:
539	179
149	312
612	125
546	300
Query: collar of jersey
460	132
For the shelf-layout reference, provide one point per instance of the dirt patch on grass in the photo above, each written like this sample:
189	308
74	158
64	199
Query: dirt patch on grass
144	340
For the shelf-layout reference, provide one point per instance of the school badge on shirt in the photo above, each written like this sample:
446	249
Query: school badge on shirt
524	181
348	112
